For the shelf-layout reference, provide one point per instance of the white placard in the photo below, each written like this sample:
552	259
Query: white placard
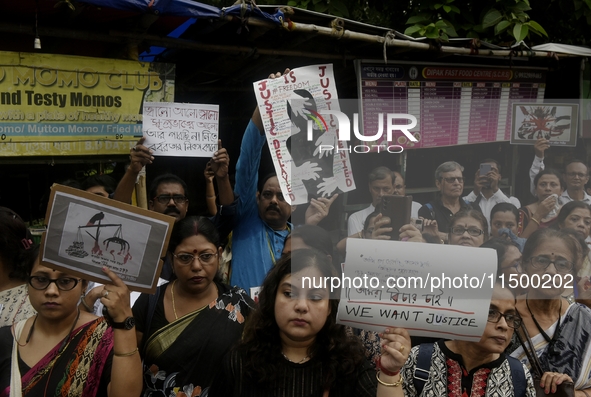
305	168
431	290
181	129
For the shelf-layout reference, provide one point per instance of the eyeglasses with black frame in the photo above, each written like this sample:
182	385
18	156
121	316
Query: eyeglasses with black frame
63	283
178	199
541	262
206	258
512	320
459	230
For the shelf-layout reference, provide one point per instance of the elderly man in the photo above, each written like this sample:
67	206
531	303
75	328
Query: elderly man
450	182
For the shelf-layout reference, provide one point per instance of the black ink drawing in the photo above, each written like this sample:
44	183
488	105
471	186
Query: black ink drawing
116	241
542	122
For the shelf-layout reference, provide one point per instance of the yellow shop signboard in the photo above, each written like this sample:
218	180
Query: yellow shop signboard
58	105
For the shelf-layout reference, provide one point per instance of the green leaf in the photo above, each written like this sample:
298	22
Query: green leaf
501	26
341	8
417	19
412	29
292	3
432	32
441	24
520	7
457	10
588	2
451	31
520	31
438	6
447	9
444	37
537	27
491	18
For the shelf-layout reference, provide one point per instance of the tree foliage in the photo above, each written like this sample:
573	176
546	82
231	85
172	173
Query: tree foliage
498	21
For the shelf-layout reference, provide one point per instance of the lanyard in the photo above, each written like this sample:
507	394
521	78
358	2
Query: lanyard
269	244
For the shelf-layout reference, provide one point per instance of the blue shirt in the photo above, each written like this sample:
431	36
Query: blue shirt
255	245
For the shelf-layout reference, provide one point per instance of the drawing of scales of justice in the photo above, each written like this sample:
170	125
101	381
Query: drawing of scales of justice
77	248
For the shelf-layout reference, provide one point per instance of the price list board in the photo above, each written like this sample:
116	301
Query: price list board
453	104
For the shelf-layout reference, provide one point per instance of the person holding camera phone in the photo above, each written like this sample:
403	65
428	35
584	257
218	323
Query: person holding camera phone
486	193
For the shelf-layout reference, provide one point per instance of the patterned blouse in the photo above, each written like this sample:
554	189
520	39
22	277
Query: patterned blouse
15	305
449	377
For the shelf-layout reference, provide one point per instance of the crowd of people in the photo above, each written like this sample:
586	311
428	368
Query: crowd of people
231	316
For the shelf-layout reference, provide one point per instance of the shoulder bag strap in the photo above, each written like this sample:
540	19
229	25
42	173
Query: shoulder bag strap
518	377
530	352
16	382
423	367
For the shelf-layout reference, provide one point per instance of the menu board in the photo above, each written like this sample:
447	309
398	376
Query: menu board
453	104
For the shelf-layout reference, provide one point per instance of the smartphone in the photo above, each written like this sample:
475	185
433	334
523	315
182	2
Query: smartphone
397	208
485	169
419	224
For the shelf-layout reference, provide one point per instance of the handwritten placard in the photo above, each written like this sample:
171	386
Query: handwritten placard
309	160
431	290
181	129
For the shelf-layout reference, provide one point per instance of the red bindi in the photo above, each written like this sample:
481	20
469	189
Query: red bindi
194	251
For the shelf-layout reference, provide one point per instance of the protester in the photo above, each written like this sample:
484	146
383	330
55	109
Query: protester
468	228
186	328
293	347
450	182
63	351
504	216
576	175
542	213
486	193
462	368
556	328
17	254
101	185
508	262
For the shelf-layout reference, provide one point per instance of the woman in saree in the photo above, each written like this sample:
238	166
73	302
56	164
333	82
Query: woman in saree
63	351
559	330
186	328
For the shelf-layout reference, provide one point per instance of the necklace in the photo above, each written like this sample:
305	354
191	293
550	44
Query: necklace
173	306
303	360
551	341
66	340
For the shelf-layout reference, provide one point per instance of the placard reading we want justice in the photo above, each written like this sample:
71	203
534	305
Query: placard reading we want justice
440	291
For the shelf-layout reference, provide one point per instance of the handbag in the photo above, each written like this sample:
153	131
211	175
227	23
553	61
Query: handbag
565	389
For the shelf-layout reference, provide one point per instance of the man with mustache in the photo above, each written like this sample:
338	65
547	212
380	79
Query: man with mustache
262	212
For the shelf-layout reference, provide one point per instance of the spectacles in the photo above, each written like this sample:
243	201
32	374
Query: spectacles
542	263
177	198
206	258
576	174
452	179
513	320
63	284
472	231
268	195
399	187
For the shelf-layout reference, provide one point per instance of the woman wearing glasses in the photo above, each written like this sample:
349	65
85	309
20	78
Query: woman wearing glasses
468	228
185	329
541	214
63	351
559	331
462	368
